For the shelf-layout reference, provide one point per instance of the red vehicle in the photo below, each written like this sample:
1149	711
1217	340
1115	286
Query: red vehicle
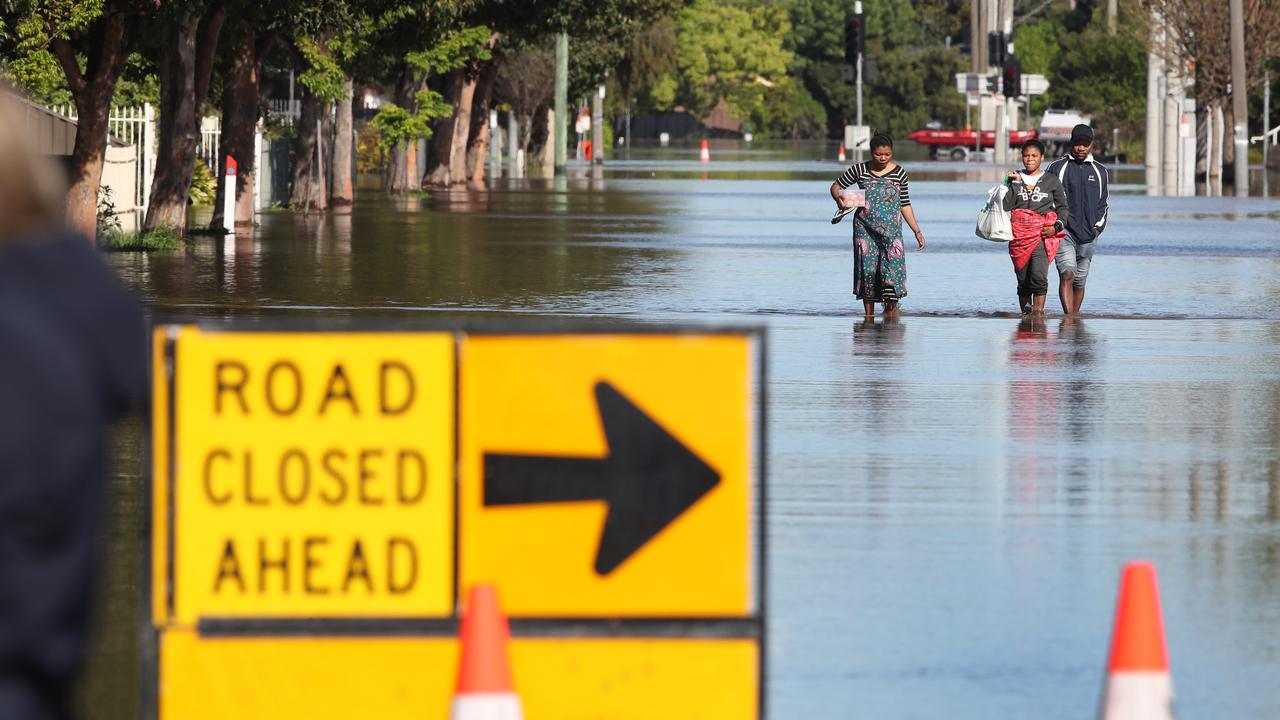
957	144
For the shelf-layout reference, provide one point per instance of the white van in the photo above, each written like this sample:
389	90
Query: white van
1055	128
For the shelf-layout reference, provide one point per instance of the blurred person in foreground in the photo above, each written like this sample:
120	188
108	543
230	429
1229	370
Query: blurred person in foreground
72	355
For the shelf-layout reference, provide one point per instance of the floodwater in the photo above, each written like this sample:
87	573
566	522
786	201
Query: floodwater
952	495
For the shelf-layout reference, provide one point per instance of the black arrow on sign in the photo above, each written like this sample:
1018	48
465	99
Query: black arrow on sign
648	479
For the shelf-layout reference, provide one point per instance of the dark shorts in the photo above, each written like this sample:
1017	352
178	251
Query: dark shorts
1074	258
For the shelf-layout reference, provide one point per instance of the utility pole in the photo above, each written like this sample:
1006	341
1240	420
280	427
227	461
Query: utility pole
560	136
1239	91
1111	17
597	126
1002	112
977	38
1155	70
857	10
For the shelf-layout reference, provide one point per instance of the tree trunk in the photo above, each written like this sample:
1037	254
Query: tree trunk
462	130
342	193
439	164
402	174
479	137
239	125
92	91
549	144
307	193
186	71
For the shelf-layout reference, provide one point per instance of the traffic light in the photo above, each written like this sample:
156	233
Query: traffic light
995	49
1012	77
855	37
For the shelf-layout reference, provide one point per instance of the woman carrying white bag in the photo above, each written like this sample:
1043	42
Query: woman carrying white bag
993	219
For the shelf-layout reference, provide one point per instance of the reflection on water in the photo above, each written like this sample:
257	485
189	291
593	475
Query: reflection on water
952	493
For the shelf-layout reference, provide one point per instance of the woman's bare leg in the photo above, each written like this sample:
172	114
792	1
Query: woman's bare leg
891	308
869	308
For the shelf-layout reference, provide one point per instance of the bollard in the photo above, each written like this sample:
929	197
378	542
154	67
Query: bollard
229	197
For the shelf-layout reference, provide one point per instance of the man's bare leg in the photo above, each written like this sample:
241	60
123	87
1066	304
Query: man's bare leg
1037	305
1066	293
1079	300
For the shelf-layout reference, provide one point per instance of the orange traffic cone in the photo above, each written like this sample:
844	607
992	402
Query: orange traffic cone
484	678
705	155
840	157
1138	685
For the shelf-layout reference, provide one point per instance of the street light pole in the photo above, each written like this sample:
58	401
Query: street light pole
857	153
560	134
1239	93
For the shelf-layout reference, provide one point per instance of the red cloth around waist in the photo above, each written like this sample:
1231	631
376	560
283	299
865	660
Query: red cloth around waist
1026	235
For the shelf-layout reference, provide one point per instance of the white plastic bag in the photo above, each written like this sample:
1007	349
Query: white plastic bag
993	220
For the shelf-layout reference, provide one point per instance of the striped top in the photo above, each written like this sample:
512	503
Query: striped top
857	175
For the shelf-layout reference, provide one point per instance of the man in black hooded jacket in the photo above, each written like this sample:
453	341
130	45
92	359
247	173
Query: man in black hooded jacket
1085	181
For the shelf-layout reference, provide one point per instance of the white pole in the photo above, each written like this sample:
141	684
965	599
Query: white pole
148	152
1169	145
1220	139
229	197
1151	153
257	166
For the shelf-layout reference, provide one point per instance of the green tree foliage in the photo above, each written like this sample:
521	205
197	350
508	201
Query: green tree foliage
29	28
646	74
1104	76
909	74
398	126
730	53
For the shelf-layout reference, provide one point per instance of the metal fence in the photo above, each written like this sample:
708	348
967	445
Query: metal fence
287	111
136	126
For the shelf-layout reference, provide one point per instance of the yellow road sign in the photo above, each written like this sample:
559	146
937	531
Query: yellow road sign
608	475
617	678
330	483
311	475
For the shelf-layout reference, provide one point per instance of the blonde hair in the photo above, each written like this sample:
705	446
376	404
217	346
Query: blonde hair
32	190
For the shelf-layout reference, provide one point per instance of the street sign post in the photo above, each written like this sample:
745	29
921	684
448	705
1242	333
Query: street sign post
336	493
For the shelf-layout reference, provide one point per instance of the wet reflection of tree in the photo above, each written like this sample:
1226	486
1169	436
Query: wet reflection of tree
523	247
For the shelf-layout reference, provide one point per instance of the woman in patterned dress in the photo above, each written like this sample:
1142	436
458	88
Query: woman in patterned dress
879	265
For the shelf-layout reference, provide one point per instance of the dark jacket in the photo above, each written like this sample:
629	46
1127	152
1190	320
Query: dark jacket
1046	195
72	354
1086	185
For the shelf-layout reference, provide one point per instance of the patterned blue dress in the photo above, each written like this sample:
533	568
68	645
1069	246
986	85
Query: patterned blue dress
879	263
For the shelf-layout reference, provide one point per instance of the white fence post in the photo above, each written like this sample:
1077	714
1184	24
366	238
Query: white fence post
257	166
148	152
